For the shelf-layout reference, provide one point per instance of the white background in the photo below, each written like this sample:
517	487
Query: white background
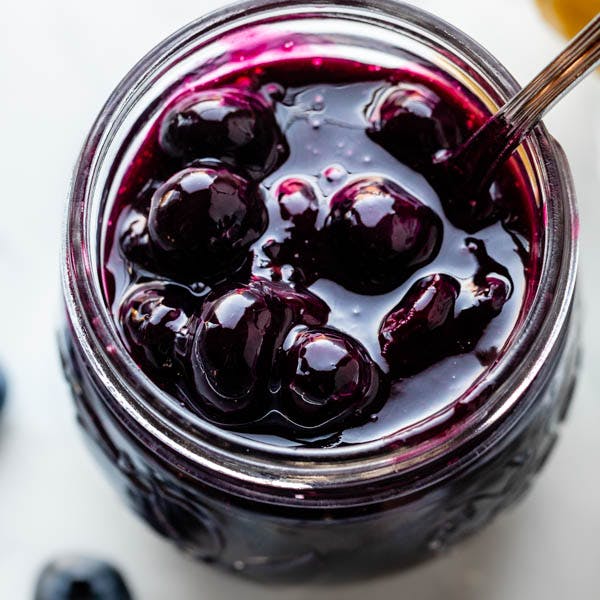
58	62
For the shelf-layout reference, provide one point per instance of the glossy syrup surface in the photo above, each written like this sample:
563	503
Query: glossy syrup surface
277	261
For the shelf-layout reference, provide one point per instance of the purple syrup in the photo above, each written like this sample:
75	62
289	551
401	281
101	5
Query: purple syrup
278	262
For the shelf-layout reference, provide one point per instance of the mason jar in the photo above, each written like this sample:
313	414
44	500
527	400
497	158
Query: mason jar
280	513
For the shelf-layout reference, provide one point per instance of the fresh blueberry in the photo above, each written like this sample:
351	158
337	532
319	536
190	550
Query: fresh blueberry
328	379
229	124
206	218
78	578
380	235
413	123
153	317
418	330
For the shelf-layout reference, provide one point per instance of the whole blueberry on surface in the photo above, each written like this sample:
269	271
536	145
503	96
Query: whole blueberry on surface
230	124
153	316
205	218
413	123
418	331
233	349
238	335
382	234
80	578
298	203
328	378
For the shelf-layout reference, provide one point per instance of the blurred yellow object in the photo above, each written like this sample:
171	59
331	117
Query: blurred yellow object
569	16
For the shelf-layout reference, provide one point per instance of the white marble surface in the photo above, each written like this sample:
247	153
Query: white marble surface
58	62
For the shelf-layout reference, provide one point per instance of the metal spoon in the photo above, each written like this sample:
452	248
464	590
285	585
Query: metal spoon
465	172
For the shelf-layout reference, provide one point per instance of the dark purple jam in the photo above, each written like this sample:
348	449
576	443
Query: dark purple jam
277	261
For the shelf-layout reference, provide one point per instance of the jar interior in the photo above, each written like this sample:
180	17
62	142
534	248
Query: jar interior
306	38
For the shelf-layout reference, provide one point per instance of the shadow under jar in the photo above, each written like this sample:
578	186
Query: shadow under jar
380	495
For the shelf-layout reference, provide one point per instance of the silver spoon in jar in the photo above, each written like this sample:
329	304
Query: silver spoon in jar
463	173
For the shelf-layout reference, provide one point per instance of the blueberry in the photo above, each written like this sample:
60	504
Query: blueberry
428	325
134	238
486	302
135	241
206	218
144	196
153	317
232	351
229	124
78	578
463	209
420	329
328	379
293	306
381	235
300	245
413	123
236	340
298	203
484	297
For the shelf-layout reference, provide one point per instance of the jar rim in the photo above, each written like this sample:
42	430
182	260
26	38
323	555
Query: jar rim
291	468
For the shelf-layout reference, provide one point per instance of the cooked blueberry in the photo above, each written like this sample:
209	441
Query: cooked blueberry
152	317
298	203
380	235
464	210
328	379
229	124
428	325
487	300
418	330
300	245
135	241
205	218
413	123
478	187
294	307
415	333
233	351
79	578
144	196
285	179
238	335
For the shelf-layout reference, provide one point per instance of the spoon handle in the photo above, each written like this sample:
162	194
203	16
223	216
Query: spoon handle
579	58
472	166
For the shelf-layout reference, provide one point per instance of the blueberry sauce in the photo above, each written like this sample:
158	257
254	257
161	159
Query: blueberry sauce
277	260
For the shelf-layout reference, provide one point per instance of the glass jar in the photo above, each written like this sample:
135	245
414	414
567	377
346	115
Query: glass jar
273	512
